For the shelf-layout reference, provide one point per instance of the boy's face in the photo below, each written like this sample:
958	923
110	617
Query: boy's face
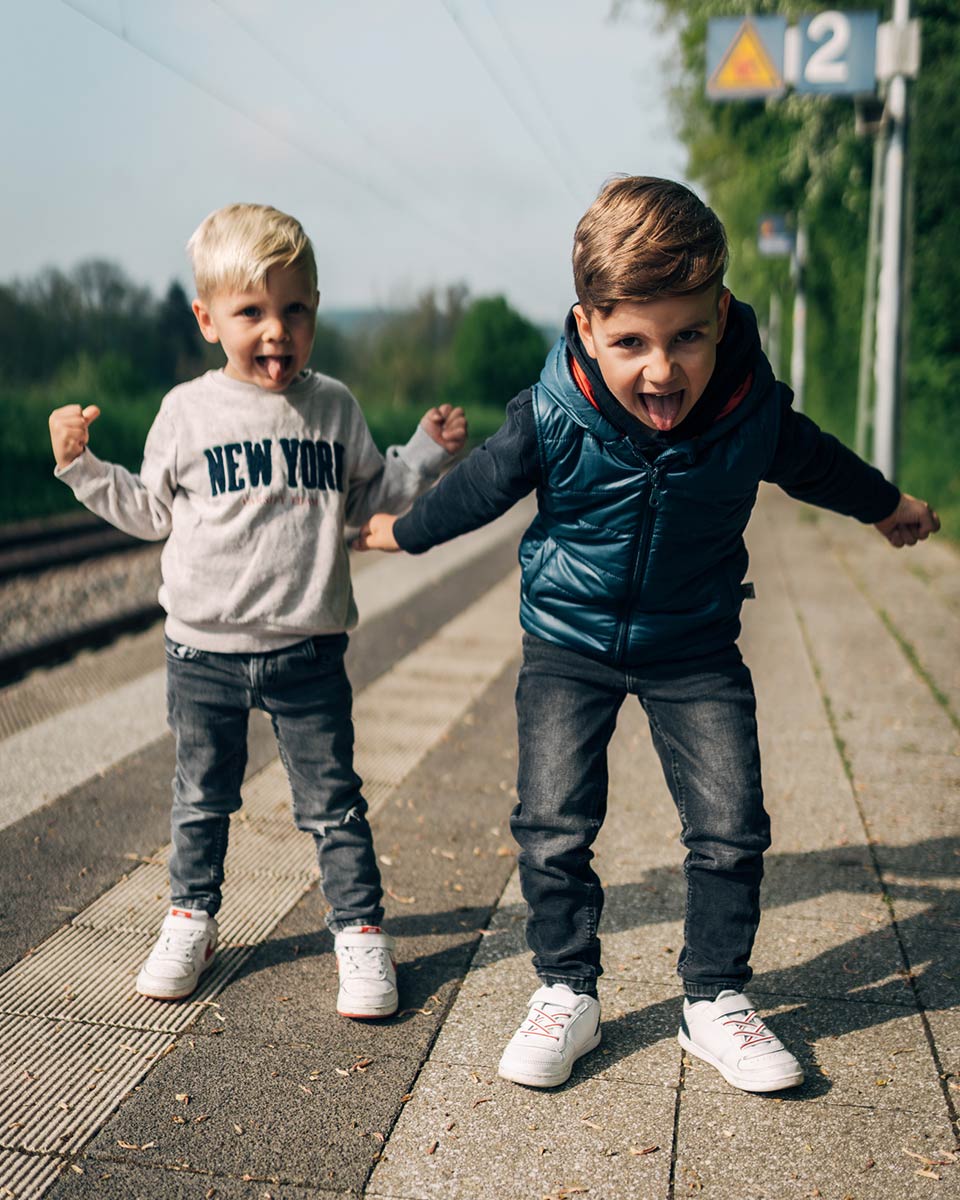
657	356
266	331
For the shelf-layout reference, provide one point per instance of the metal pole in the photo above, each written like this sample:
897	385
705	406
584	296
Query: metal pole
798	351
869	317
887	362
774	333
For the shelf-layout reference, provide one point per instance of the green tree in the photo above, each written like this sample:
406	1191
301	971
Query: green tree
496	352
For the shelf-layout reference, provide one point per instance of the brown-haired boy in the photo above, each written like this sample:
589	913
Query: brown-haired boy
653	423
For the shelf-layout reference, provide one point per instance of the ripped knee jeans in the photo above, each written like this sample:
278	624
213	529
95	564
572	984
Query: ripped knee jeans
306	693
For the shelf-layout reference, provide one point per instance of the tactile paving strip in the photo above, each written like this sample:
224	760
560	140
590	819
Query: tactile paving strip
60	1080
74	1035
27	1176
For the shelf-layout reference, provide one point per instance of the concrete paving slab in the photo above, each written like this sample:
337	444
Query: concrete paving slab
771	1148
828	959
944	1027
116	1181
902	591
933	902
277	1112
590	1135
934	957
837	883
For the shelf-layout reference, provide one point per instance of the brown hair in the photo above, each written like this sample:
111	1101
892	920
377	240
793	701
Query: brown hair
644	238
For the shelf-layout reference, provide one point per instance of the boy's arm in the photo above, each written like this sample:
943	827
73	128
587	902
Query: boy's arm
138	504
815	467
393	481
491	479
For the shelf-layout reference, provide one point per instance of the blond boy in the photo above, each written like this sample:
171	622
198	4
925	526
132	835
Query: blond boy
252	473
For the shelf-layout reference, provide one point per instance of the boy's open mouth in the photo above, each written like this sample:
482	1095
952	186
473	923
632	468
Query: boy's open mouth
663	409
275	365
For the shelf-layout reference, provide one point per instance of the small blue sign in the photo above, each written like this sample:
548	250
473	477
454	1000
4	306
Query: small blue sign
774	240
838	52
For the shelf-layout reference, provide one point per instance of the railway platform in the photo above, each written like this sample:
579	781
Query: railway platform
254	1088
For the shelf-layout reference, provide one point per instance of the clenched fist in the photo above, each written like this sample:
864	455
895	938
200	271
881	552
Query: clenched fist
70	431
447	426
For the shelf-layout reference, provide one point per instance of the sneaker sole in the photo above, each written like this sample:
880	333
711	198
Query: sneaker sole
744	1083
372	1015
548	1081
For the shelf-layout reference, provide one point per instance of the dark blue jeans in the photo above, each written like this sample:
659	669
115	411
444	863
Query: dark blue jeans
307	694
702	718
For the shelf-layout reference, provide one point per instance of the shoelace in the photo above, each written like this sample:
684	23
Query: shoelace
175	943
540	1022
374	956
752	1030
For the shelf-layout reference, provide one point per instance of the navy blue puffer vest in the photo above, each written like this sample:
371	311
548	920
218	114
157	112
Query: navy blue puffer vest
637	563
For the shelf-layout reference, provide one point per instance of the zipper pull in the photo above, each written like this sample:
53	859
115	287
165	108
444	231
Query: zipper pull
654	488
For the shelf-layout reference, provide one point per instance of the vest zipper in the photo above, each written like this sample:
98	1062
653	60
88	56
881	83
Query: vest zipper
640	554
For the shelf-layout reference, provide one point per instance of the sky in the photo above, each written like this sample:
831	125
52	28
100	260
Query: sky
420	142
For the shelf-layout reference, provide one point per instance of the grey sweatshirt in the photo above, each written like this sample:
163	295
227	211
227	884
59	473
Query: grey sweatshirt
254	491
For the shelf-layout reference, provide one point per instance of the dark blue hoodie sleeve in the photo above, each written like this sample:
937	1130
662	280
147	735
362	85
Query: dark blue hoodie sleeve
491	479
815	467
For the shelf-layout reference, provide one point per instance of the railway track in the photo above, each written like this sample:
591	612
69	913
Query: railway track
44	545
32	546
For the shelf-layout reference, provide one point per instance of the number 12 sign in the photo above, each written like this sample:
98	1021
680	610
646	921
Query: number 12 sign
837	52
831	52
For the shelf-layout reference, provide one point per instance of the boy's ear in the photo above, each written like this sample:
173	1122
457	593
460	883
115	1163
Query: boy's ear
583	328
723	308
205	321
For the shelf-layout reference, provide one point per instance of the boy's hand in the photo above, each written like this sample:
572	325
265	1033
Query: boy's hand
910	522
69	431
377	534
447	426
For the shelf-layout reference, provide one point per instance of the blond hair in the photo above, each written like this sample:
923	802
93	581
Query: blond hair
233	248
644	238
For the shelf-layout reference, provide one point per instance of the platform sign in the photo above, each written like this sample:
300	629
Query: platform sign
745	57
838	53
774	240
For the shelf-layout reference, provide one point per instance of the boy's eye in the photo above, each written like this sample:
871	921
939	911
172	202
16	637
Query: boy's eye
250	311
296	307
686	336
629	343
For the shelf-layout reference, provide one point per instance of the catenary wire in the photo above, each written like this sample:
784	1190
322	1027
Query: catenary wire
359	181
484	60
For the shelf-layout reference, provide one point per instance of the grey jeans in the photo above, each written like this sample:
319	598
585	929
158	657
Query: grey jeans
305	690
702	718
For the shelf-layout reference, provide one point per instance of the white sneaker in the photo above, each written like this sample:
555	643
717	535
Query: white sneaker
728	1034
368	974
561	1027
184	950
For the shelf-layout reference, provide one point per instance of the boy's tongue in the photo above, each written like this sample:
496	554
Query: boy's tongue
663	409
275	367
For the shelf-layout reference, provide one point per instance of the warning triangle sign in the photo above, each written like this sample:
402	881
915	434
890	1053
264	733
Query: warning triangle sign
747	68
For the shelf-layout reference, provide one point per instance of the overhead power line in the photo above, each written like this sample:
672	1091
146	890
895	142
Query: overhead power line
557	165
376	147
397	201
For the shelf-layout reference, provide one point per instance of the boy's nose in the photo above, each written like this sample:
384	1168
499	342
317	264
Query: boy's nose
274	330
658	367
